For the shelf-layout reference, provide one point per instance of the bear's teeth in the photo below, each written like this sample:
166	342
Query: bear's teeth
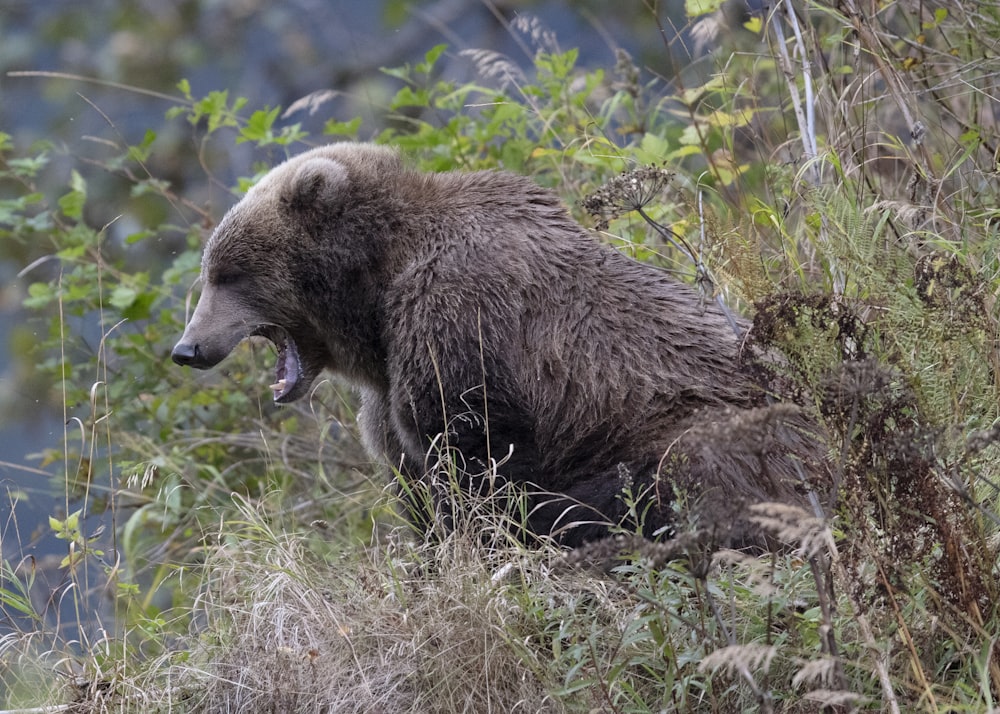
279	386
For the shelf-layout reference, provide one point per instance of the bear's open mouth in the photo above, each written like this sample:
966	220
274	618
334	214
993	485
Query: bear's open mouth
288	368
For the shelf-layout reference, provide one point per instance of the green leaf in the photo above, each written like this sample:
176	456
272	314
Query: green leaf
72	203
141	307
12	210
653	148
342	128
558	66
212	106
28	167
122	297
72	252
259	127
156	187
697	8
138	236
940	15
73	559
406	97
39	295
395	12
430	58
215	107
402	73
140	152
690	136
22	604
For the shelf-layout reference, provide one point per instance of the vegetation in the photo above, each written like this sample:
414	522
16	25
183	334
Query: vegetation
834	179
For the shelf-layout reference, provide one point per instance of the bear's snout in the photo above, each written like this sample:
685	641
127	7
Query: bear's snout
189	355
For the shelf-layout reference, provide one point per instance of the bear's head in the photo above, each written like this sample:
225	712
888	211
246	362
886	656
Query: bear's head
287	263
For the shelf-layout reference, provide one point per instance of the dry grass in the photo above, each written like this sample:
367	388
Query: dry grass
286	623
398	628
375	632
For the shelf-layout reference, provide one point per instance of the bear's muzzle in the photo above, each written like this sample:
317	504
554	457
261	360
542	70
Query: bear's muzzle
189	355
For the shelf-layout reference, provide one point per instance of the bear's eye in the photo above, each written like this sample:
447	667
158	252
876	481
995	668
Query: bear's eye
228	276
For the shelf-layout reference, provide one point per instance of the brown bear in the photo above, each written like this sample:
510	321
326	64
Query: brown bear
470	310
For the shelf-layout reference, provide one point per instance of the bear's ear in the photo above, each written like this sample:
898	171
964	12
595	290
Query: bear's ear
318	183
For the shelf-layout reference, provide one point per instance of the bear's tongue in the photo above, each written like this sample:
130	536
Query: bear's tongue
287	369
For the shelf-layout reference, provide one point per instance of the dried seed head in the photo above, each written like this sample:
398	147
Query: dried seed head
630	191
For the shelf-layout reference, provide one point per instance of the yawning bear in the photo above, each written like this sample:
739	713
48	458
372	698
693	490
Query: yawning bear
469	309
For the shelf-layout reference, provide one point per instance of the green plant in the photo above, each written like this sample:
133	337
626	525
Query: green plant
149	456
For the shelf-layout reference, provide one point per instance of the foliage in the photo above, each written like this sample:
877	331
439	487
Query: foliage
797	181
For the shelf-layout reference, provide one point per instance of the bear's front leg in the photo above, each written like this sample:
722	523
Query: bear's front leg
468	439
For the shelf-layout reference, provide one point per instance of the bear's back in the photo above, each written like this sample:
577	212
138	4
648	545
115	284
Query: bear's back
605	349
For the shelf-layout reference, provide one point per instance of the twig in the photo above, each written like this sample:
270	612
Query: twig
824	591
809	134
176	99
805	116
785	61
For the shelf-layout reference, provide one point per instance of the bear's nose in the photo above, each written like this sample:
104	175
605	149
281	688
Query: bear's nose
188	355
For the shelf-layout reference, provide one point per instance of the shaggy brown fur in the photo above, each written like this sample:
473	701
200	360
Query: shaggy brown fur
472	305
